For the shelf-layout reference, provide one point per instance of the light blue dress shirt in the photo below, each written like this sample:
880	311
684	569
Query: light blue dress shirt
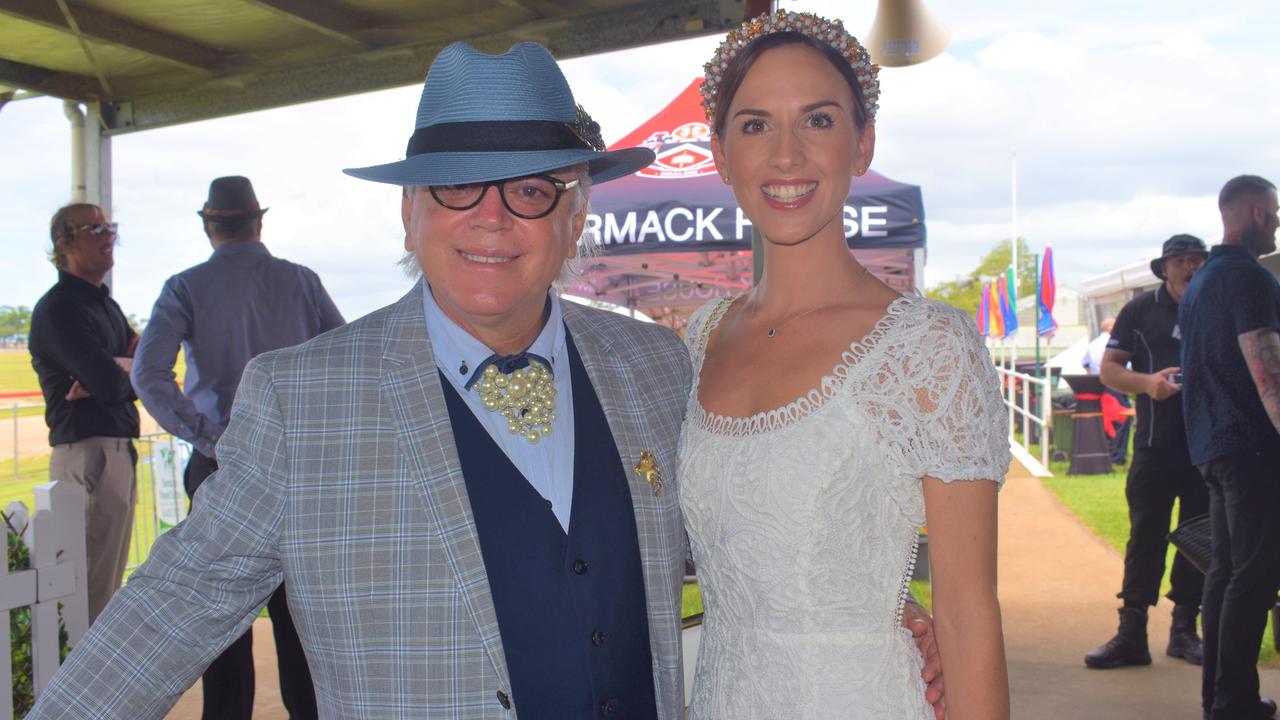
238	304
548	464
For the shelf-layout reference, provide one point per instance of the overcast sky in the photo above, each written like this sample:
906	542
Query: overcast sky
1127	118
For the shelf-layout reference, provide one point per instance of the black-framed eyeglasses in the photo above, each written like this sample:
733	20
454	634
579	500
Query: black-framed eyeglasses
529	197
98	229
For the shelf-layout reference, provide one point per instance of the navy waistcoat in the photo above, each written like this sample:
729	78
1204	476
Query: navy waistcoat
571	607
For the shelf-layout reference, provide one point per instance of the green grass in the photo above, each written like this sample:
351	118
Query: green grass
1099	502
32	471
691	601
16	374
923	592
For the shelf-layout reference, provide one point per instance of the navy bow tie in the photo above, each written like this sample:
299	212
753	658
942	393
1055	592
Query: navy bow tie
506	365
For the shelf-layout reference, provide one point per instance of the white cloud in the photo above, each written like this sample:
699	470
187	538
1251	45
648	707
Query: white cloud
1030	52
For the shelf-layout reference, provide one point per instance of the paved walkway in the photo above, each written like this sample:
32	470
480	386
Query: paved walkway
1057	590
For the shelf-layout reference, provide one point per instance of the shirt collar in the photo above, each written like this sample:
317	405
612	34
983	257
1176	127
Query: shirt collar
244	247
454	347
1237	250
80	285
1163	297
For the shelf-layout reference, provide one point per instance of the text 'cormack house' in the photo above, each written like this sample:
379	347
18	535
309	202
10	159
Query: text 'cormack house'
680	224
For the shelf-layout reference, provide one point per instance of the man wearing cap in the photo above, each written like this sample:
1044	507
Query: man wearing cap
238	304
470	492
81	349
1146	339
1230	319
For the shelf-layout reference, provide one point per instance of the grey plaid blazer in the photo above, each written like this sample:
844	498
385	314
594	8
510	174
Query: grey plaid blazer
340	477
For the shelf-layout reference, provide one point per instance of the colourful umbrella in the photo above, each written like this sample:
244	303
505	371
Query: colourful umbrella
1007	307
997	316
1048	291
984	313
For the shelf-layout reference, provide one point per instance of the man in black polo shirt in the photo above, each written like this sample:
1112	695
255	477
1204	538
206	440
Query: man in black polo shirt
1230	319
1146	337
81	349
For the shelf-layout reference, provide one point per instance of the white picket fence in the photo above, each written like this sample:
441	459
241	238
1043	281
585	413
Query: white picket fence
55	536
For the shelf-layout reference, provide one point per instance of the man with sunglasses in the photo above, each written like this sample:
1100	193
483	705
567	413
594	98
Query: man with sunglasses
470	492
82	349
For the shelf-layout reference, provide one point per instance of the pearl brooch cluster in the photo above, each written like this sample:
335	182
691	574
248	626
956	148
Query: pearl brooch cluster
526	398
829	32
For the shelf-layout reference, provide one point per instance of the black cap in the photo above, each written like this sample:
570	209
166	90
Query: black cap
231	197
1178	245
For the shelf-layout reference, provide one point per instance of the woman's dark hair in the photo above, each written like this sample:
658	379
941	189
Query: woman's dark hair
742	62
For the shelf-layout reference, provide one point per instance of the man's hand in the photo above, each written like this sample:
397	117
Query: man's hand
917	620
124	363
1162	386
77	391
133	345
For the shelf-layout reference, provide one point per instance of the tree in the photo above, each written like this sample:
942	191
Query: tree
15	320
964	292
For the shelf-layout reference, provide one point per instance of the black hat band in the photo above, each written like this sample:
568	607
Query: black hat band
494	136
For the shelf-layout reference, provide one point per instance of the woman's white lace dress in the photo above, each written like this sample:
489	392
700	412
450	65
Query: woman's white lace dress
804	519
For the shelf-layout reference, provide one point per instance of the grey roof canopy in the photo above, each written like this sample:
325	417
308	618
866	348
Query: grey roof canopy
151	63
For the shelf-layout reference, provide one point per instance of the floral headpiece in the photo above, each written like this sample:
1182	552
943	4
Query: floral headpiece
829	32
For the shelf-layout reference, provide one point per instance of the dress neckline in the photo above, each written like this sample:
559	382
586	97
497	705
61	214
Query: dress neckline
809	402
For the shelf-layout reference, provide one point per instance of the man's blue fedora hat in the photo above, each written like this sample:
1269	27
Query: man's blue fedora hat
488	117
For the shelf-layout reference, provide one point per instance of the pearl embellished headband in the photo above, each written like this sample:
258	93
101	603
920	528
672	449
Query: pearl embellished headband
831	33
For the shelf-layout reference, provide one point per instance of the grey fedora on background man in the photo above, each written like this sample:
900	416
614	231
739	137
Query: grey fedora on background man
488	117
231	197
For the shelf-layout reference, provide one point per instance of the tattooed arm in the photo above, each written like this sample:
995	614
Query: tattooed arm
1261	350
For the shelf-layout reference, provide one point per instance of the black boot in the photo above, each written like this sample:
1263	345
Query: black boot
1183	641
1128	647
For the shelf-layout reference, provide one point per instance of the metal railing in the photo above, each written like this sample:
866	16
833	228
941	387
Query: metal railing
1018	388
162	501
15	412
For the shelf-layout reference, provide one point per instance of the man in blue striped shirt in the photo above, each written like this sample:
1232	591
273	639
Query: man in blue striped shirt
239	303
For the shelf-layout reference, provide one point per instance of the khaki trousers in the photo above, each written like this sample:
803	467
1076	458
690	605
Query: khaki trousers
106	468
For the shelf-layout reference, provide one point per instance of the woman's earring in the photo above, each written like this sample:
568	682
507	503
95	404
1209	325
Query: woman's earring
724	179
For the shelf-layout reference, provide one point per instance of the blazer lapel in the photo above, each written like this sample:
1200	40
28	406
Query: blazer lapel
410	386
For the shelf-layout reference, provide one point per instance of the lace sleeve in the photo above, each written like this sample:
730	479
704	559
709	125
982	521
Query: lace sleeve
961	416
701	322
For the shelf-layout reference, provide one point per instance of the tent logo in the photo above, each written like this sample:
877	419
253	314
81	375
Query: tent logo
684	160
687	153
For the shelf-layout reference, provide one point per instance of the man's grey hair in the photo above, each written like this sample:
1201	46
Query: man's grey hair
588	242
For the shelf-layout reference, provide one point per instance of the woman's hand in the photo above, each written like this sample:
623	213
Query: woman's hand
916	619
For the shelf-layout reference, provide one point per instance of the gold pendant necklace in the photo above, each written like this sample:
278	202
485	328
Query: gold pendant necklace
526	398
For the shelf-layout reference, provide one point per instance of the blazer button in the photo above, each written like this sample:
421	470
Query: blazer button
610	706
597	638
580	566
506	701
